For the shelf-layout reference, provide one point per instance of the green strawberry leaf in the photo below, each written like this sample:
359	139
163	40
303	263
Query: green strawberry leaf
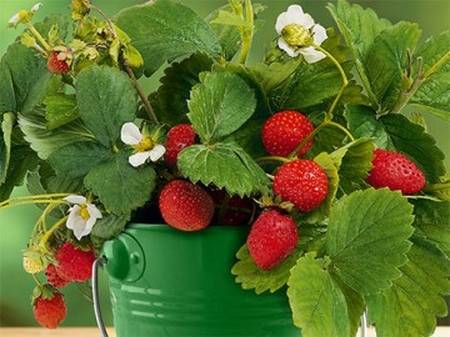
219	105
318	304
387	60
326	162
77	159
251	277
170	101
271	76
109	226
367	238
432	220
164	30
433	95
120	187
5	144
45	141
225	165
106	100
23	79
22	159
362	122
43	180
411	305
316	83
356	305
359	27
397	132
60	110
354	162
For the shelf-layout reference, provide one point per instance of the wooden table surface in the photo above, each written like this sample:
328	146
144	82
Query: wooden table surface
90	332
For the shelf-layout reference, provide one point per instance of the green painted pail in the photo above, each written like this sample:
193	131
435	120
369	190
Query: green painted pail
166	283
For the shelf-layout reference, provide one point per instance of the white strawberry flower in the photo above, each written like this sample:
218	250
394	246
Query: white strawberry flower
24	15
82	215
299	34
144	146
36	7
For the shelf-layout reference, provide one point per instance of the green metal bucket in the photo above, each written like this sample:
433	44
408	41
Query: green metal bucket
167	283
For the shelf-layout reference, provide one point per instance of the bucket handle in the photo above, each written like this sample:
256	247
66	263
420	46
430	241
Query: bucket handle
99	262
98	312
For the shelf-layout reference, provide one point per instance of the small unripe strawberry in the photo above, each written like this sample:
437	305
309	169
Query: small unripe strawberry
49	310
53	278
394	170
284	131
231	210
56	64
186	206
178	138
32	265
272	239
73	263
303	183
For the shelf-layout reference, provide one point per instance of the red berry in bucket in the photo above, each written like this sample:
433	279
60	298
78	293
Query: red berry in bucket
272	239
284	131
186	206
394	170
231	210
74	264
303	183
178	138
53	278
57	64
49	309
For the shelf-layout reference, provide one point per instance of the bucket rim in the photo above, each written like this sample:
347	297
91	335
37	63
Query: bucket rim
165	227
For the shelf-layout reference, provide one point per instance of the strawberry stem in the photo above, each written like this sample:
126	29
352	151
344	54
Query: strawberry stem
272	158
329	115
39	37
49	233
31	198
246	31
316	131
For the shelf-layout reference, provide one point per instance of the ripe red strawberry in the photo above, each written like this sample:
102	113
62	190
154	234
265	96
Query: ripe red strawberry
303	183
186	206
282	133
178	138
394	170
74	264
272	239
53	278
56	65
50	310
231	211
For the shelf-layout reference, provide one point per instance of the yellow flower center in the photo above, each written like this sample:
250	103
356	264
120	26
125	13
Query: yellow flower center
146	144
296	35
84	212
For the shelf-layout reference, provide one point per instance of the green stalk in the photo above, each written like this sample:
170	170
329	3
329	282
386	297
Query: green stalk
345	81
272	158
39	37
247	32
49	233
316	131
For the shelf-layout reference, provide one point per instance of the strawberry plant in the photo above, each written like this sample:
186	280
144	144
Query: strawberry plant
320	148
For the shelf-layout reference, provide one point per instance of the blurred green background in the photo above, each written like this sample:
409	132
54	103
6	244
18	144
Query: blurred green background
15	224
